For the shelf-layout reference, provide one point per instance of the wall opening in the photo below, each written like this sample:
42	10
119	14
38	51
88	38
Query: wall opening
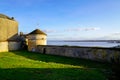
44	50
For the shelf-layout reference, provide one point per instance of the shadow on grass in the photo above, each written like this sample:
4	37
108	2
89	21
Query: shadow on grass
50	74
62	60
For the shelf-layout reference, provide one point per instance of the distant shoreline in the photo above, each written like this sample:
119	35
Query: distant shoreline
110	41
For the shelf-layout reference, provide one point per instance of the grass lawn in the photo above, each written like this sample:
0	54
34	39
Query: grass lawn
24	65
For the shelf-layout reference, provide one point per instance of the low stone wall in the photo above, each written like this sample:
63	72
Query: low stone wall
92	53
14	45
4	46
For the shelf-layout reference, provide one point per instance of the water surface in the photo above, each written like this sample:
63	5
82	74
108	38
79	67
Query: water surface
85	44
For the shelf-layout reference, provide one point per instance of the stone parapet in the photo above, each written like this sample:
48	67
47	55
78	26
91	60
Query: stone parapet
92	53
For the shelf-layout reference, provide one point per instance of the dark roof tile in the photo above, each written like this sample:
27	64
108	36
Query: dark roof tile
37	31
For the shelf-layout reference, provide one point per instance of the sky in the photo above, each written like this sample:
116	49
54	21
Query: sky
66	19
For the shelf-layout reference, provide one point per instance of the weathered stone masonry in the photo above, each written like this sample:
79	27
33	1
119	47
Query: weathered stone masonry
92	53
8	34
11	40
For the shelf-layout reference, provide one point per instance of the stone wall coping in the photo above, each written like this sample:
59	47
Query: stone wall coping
110	48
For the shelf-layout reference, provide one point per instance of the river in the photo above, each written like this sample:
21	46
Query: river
85	44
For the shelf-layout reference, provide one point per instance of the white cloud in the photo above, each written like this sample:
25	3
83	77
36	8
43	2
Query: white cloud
49	31
116	33
83	29
73	29
112	36
91	29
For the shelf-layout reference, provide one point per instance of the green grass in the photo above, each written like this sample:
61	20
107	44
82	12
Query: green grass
24	65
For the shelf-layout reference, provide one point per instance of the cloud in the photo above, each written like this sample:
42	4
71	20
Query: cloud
73	29
116	33
111	36
49	31
91	29
83	29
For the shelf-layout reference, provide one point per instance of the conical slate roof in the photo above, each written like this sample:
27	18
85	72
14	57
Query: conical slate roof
5	17
37	31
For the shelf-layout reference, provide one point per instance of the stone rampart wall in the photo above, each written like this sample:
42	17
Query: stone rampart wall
92	53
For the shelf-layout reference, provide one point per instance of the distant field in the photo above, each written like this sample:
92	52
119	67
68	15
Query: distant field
24	65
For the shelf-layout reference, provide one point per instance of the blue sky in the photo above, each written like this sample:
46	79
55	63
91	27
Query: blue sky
66	19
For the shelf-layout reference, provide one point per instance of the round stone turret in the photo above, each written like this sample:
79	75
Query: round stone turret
36	37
